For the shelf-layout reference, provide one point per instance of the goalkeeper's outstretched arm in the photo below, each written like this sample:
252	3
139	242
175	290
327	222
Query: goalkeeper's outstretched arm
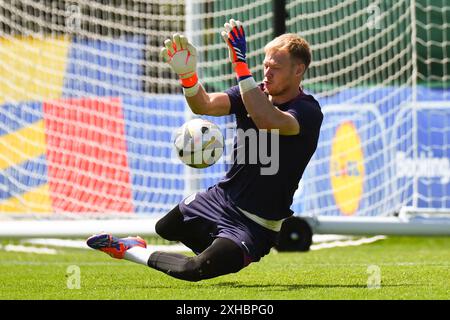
263	113
182	57
212	104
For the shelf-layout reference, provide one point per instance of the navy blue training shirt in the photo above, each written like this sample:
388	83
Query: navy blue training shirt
270	196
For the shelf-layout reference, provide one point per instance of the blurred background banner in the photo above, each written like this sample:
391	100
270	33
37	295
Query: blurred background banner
88	110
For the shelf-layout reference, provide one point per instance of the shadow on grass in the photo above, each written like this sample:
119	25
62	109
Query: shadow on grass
267	286
288	287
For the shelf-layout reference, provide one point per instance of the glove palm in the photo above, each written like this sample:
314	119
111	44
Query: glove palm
180	55
234	37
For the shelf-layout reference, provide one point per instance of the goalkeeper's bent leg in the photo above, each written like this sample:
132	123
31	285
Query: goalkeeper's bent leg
197	234
222	257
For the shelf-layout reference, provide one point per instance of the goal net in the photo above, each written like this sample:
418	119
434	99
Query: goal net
88	110
381	72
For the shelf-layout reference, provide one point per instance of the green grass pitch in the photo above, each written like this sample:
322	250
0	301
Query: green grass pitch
410	268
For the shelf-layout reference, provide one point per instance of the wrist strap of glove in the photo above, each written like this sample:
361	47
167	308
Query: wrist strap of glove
190	85
244	77
242	70
247	84
192	91
189	82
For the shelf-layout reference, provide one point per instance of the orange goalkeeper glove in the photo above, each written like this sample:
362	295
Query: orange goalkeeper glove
234	37
181	55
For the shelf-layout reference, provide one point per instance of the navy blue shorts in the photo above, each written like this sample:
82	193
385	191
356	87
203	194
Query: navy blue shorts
212	205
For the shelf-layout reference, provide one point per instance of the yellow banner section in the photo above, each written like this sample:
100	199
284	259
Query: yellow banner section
31	68
22	145
34	201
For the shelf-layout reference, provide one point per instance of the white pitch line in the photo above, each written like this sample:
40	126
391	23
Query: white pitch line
65	243
27	249
320	238
322	265
320	242
81	244
121	264
57	263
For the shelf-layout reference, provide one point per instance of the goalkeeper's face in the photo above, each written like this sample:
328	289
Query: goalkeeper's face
281	73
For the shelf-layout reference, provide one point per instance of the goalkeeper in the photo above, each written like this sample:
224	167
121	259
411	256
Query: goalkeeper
236	221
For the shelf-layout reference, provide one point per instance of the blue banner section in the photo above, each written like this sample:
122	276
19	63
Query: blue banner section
104	67
348	163
425	169
19	179
15	116
377	151
356	169
405	154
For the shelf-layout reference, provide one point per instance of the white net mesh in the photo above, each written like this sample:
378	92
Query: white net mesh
87	109
373	61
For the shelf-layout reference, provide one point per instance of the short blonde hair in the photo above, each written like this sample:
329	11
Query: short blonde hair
297	47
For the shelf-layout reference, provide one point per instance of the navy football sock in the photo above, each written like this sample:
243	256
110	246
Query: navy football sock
222	257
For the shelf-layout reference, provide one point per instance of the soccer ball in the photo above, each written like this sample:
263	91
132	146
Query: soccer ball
199	143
